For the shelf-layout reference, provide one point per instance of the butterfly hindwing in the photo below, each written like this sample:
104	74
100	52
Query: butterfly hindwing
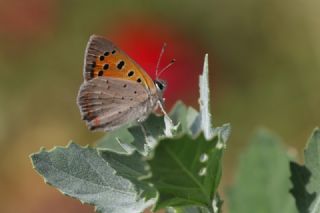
106	103
103	58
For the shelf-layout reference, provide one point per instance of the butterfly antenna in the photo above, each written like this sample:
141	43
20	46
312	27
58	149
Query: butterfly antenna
160	56
166	67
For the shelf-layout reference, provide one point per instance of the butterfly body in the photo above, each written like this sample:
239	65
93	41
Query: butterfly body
116	90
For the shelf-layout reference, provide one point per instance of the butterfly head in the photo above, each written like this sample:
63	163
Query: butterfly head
160	85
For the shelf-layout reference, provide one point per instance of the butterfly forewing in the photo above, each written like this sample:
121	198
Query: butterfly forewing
103	58
106	103
116	90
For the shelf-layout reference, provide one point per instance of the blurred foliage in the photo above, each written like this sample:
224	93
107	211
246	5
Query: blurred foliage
266	72
262	181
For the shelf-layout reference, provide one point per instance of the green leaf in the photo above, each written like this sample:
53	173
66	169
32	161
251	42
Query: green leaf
178	115
118	141
217	204
183	115
192	117
107	181
186	171
204	101
262	180
300	177
133	168
312	160
312	163
191	209
203	121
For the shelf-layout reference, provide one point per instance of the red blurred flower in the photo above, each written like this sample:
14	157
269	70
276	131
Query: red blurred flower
143	40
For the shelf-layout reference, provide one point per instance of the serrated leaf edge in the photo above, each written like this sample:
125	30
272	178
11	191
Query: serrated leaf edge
70	143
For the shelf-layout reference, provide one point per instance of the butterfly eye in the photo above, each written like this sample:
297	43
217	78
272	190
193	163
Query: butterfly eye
160	85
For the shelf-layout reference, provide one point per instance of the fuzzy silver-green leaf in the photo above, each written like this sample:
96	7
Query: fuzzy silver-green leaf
80	172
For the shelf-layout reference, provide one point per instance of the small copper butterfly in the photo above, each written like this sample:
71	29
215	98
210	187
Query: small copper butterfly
116	90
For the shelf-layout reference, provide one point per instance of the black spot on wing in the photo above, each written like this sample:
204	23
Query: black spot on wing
106	66
131	73
120	65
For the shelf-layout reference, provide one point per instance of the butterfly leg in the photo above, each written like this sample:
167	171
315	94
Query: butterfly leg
149	139
163	111
170	127
144	131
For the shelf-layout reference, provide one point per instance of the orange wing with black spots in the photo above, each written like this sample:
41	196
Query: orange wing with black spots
103	58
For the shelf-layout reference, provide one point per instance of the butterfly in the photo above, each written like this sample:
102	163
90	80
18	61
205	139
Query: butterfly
116	90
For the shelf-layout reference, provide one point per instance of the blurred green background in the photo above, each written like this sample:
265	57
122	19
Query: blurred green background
264	62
